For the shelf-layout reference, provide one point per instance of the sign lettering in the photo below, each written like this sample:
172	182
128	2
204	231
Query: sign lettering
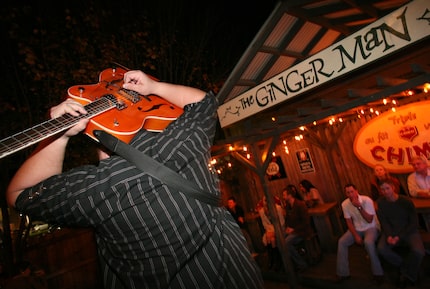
401	28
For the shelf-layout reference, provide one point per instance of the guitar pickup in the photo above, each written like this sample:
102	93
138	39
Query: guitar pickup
119	104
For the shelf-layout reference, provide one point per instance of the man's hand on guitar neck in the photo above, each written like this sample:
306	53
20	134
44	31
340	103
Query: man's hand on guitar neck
73	108
48	158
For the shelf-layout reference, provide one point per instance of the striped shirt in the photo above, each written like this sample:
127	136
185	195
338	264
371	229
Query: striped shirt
150	235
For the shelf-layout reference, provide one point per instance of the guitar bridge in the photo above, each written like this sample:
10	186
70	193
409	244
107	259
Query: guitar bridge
131	95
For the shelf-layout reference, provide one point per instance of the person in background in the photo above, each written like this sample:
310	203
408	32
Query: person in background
310	194
297	223
361	220
399	224
269	236
149	234
419	180
284	202
239	215
381	174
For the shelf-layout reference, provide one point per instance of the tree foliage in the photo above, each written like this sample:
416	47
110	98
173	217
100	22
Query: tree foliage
49	47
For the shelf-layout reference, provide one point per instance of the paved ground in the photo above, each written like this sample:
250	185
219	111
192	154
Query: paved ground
323	274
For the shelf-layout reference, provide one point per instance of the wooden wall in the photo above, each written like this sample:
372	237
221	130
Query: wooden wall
68	257
331	149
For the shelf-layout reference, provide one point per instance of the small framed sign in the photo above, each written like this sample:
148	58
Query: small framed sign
276	170
305	161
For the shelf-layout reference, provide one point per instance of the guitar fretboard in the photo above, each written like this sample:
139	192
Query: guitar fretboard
53	126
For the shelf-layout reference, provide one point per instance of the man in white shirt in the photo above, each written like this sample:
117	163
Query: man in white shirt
419	181
363	229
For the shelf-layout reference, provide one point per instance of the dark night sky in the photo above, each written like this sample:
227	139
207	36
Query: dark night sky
42	38
228	26
49	46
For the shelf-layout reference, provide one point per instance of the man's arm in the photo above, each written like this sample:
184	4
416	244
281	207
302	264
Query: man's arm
48	158
367	216
178	95
353	231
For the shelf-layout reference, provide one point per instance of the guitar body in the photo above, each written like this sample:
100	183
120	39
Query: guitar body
131	112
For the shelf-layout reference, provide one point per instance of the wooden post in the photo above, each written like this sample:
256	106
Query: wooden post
260	168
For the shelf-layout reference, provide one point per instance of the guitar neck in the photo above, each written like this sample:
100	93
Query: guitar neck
51	127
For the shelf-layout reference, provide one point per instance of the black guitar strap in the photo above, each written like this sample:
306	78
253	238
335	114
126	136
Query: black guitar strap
155	169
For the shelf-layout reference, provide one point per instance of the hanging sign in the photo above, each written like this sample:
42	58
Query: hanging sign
276	170
393	138
383	37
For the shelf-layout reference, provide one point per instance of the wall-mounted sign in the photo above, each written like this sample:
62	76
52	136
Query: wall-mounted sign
385	36
276	170
305	161
393	138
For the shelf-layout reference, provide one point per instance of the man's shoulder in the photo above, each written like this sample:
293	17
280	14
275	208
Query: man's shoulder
366	198
345	202
300	203
411	176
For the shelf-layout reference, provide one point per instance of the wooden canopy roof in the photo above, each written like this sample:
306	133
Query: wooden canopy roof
298	29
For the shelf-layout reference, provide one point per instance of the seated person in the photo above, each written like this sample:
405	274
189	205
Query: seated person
381	174
419	185
310	194
399	225
360	217
298	225
269	236
419	180
239	216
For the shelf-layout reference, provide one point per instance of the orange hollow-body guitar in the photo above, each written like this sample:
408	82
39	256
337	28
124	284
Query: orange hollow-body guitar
130	111
111	108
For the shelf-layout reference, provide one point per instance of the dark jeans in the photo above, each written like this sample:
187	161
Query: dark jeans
409	265
292	240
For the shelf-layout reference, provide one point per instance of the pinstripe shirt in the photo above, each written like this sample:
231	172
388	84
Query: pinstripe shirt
150	235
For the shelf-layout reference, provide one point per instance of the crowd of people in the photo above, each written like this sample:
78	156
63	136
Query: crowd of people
383	221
